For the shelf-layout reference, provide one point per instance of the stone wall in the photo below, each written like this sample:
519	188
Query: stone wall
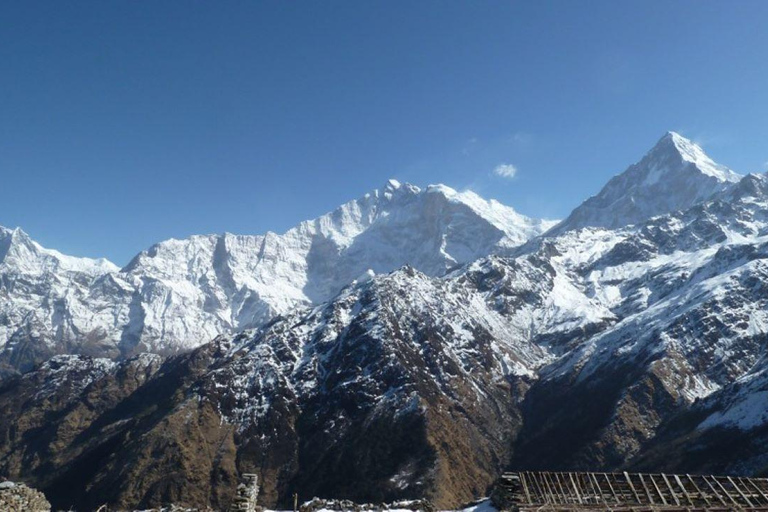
247	494
20	498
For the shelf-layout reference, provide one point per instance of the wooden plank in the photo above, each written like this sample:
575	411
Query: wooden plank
714	491
610	486
647	491
556	495
590	494
725	492
658	491
575	488
701	493
759	490
746	488
671	491
624	489
581	487
525	484
525	487
599	498
564	496
564	489
537	488
685	491
739	491
567	495
546	493
550	495
629	481
761	483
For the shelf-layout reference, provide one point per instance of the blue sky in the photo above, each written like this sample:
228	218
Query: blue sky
126	123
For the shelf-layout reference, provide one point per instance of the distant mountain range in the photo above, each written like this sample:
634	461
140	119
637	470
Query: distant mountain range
180	294
412	343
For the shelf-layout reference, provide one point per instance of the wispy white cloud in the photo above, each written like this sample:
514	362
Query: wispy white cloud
469	146
521	139
507	171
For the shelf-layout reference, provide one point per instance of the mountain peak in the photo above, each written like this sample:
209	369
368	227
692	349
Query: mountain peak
691	152
674	175
394	188
14	240
392	184
673	141
25	255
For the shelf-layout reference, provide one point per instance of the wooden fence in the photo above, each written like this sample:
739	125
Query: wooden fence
628	491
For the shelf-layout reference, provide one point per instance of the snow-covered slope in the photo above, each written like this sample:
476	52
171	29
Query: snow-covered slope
687	298
181	293
674	175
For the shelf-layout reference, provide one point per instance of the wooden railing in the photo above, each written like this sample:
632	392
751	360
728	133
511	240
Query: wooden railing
628	491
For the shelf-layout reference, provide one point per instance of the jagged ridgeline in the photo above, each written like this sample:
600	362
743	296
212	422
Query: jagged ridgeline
180	294
632	335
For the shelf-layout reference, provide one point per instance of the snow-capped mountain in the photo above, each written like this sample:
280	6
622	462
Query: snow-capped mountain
608	347
687	299
180	294
41	290
674	175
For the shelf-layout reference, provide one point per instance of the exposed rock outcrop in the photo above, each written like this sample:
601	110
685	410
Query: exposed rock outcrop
20	498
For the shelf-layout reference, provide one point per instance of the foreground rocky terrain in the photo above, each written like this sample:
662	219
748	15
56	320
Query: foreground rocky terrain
602	344
20	498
